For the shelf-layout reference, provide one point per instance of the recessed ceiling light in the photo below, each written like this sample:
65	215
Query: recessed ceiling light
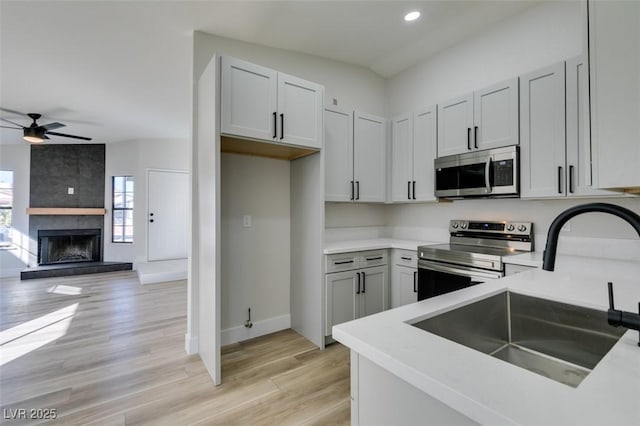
412	16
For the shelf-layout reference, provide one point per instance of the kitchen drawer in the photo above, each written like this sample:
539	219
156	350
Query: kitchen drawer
510	269
373	258
405	258
341	262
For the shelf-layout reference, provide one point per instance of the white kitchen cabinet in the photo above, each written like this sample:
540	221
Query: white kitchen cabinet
413	151
542	132
360	291
355	156
614	61
404	277
555	148
484	119
260	103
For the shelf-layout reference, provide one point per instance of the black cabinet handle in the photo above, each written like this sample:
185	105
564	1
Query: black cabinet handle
358	274
150	214
373	258
353	192
405	258
151	220
364	286
343	262
415	281
469	138
408	190
559	179
357	190
475	137
571	179
414	189
275	125
281	126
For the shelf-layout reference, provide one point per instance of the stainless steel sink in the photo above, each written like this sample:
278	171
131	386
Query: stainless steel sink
560	341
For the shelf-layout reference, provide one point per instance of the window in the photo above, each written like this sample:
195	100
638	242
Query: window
6	206
122	217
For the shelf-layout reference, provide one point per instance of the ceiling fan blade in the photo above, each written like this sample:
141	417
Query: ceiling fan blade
11	111
68	136
9	127
12	122
52	126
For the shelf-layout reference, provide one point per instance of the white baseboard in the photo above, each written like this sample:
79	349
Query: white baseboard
190	344
260	328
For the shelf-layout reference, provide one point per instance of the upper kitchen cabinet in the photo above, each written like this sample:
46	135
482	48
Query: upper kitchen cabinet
542	132
355	160
413	151
484	119
260	103
555	148
614	60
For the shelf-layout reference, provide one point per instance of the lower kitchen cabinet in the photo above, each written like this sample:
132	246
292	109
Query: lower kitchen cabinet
404	287
355	293
404	277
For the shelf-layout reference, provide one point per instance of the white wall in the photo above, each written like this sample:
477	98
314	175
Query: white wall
256	260
134	158
539	36
17	158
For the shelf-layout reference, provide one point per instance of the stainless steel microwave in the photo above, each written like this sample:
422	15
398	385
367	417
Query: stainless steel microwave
486	173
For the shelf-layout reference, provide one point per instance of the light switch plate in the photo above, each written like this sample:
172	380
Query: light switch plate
70	191
246	221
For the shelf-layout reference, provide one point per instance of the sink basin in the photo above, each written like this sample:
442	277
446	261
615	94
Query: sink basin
560	341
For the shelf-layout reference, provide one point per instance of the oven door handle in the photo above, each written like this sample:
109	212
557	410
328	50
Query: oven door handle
487	171
465	272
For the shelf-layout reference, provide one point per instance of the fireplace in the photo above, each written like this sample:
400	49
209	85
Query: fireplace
68	246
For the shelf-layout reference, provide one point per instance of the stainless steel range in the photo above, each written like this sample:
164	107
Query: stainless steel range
474	255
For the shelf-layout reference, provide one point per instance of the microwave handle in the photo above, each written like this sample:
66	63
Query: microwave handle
487	170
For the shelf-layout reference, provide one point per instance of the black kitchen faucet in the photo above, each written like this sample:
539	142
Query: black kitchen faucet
614	317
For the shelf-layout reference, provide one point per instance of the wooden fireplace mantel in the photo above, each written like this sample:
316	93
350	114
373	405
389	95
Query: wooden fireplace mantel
66	211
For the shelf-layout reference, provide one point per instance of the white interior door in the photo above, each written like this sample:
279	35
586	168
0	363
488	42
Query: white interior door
167	215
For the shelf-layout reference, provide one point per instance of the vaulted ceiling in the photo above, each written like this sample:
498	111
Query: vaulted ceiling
121	70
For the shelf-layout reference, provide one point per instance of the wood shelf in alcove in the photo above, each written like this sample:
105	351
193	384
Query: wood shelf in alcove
66	211
263	149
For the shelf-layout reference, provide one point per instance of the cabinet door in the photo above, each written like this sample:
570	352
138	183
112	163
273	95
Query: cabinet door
404	288
455	123
579	157
299	112
402	158
496	115
248	99
338	154
369	165
542	133
341	298
614	60
374	290
424	152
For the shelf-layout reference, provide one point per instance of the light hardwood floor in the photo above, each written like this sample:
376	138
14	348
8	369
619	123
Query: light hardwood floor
102	349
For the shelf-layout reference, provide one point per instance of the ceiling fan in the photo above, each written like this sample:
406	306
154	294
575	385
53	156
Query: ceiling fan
36	133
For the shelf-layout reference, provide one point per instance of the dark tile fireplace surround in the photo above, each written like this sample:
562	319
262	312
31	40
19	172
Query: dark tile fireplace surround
67	244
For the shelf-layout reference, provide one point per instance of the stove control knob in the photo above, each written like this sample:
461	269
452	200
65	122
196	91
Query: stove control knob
510	227
522	228
463	225
454	225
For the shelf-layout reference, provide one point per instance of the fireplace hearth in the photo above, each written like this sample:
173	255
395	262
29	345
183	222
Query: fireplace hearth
61	246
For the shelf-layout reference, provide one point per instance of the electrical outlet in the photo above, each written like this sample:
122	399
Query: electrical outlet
246	221
70	191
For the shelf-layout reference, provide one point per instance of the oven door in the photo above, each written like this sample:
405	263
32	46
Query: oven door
436	278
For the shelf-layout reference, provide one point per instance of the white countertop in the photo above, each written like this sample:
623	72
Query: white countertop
494	392
373	244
